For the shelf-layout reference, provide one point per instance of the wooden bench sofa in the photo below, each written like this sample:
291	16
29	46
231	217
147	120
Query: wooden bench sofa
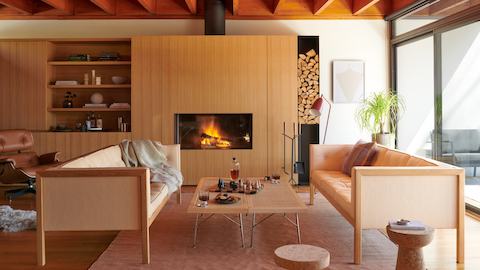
398	185
97	192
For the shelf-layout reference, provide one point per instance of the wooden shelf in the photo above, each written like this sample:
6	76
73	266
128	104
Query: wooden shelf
89	63
87	110
89	86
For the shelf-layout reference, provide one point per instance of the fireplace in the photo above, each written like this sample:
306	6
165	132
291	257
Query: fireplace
214	131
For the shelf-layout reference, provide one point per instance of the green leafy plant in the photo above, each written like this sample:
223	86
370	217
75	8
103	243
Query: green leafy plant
378	113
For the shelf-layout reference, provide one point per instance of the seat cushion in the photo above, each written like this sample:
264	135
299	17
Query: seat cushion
361	154
158	193
107	157
335	185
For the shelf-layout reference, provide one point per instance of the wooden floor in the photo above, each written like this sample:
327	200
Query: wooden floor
78	250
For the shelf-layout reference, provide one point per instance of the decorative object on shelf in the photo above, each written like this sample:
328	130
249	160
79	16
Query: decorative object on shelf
124	127
109	56
308	85
119	106
99	122
93	76
86	80
379	114
79	57
66	83
68	102
96	98
316	111
348	81
98	80
119	79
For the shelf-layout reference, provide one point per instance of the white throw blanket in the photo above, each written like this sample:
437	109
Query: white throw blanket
150	154
16	220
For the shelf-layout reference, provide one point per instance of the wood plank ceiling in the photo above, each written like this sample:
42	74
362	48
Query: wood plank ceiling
193	9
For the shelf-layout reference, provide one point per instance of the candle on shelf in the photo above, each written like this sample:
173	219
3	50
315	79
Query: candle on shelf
98	80
85	79
93	76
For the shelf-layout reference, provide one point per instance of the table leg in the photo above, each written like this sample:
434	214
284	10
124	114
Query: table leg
253	228
195	232
298	228
241	230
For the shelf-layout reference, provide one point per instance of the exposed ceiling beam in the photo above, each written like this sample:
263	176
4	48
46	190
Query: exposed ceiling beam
106	5
320	5
275	4
445	5
149	5
23	6
192	6
235	6
360	6
63	5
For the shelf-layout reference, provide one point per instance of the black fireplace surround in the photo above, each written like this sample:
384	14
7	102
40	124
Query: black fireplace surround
214	131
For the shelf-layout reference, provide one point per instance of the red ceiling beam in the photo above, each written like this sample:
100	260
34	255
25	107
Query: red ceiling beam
320	5
149	5
275	4
192	5
360	6
63	5
23	6
106	5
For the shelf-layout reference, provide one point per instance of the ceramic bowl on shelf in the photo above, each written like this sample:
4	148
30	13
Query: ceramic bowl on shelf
119	79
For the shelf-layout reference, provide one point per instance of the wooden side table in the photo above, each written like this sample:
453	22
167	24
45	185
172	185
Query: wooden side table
410	244
302	257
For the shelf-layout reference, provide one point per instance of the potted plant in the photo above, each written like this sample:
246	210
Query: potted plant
378	114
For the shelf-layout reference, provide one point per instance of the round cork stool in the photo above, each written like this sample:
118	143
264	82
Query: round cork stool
302	257
410	244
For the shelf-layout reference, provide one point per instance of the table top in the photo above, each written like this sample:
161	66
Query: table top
274	198
302	253
428	230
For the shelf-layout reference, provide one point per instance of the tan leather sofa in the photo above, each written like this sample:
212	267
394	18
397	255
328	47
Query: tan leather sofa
398	185
98	192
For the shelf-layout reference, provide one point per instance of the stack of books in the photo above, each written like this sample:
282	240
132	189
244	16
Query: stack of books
91	105
413	225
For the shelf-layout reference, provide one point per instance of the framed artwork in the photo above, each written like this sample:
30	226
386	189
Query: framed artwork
348	81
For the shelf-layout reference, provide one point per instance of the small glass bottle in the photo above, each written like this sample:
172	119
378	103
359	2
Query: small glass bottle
235	170
88	123
93	121
99	123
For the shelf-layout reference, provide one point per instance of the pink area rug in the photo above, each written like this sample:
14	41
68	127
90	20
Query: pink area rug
218	245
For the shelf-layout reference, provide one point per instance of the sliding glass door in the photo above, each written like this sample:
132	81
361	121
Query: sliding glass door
460	79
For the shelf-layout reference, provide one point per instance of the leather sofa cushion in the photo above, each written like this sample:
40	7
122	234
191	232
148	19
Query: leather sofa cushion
390	157
337	185
362	154
15	140
107	157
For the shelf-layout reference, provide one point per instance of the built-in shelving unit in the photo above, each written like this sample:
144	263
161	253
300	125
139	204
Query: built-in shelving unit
59	68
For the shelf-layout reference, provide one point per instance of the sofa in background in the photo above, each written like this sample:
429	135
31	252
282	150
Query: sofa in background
397	185
97	192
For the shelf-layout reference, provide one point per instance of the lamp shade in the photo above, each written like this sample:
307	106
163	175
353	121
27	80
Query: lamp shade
316	109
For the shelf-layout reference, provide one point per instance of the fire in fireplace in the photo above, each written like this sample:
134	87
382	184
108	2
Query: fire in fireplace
214	131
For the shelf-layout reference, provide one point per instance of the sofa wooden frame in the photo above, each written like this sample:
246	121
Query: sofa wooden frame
373	216
95	199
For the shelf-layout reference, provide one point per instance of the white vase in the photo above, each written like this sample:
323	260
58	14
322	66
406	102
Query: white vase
386	139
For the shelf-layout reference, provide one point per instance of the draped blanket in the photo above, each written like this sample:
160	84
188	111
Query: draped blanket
150	154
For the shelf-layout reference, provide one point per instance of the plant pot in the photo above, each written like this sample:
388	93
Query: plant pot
386	139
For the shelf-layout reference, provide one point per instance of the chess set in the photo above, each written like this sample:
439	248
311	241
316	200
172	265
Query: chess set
246	186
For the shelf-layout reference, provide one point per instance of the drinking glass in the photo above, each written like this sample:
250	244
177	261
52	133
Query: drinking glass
203	197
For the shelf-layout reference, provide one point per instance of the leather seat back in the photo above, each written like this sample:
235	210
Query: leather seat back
15	140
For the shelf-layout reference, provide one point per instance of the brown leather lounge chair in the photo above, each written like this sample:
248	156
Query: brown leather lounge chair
19	164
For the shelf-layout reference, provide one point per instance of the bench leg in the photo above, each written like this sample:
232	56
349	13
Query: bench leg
312	194
146	245
357	249
179	195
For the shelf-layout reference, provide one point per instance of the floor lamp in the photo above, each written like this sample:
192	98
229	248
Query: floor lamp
316	111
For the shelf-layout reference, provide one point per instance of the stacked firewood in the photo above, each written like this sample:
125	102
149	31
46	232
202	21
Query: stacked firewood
308	85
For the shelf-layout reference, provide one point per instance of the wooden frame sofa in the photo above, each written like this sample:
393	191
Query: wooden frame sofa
97	192
398	185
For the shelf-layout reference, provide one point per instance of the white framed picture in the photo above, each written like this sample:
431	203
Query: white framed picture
348	81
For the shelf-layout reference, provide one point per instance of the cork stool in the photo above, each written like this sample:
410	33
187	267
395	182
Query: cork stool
302	257
410	244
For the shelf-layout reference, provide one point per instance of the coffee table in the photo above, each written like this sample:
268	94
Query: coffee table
273	199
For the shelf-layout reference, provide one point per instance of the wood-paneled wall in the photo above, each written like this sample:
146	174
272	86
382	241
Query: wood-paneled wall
22	84
216	74
74	144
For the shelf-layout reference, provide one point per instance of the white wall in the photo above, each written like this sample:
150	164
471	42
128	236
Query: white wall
339	39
